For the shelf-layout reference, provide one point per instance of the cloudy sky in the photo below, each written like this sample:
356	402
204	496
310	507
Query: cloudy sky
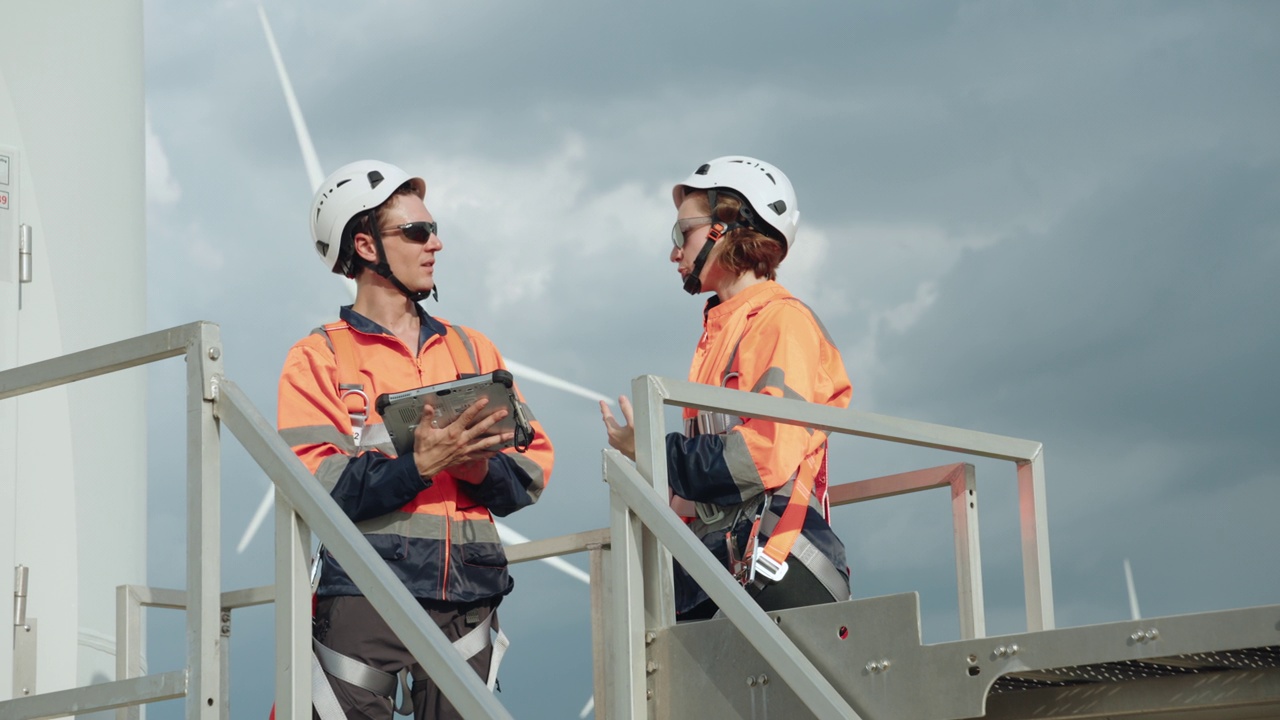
1055	221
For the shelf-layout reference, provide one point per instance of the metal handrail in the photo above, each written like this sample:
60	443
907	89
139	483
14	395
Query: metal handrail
646	534
212	399
199	343
653	393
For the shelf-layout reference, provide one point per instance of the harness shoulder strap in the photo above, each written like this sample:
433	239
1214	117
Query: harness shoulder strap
350	389
460	349
787	530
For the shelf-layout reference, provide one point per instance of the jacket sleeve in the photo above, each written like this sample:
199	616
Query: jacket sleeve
314	422
786	354
515	480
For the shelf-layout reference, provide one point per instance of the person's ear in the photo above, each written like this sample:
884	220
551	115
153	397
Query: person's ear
364	247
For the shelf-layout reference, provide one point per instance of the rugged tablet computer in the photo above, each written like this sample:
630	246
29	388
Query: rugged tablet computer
401	411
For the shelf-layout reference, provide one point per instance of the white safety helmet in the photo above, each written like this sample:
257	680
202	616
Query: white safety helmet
763	186
350	191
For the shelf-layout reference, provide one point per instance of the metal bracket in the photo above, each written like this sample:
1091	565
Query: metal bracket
24	253
24	637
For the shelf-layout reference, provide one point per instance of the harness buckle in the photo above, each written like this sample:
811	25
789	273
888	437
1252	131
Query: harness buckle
762	564
708	513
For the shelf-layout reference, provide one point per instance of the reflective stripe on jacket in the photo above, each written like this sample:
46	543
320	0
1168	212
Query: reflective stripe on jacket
762	340
438	536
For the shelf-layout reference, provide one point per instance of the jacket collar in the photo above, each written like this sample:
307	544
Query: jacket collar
427	325
750	300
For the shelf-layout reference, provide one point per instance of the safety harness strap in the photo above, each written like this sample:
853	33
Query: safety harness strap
326	660
322	697
808	554
350	389
784	532
464	356
353	671
481	636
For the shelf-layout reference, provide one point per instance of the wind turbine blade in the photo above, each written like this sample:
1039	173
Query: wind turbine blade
586	709
1134	613
525	372
264	508
309	157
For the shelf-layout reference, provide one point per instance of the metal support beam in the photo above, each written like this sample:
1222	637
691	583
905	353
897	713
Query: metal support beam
556	546
100	360
128	643
94	698
843	420
651	454
625	622
204	561
1034	519
600	600
964	523
293	613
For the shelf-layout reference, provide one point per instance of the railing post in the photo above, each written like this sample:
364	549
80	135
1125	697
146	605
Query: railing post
964	519
1033	517
128	642
651	453
600	599
204	561
224	663
293	613
627	692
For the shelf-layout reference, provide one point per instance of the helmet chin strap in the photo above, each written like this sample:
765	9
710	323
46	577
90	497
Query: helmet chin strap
382	268
693	281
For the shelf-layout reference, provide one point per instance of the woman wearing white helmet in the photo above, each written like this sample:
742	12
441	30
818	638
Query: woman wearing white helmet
753	490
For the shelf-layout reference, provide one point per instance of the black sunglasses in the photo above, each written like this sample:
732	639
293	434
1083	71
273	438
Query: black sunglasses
416	232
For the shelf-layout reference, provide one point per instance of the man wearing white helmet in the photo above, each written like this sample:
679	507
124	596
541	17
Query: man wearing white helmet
754	491
428	513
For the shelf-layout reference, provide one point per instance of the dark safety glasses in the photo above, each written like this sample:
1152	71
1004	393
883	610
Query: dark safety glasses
416	232
680	230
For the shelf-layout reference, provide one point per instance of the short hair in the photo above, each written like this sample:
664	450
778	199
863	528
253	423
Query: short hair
744	248
365	222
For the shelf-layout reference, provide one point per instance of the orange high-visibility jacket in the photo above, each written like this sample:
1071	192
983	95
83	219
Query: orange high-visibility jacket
438	536
762	340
